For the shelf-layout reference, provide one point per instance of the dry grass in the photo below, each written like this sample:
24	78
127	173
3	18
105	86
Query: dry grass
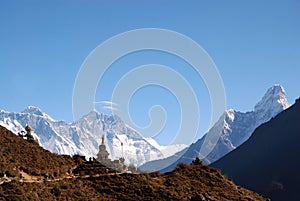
186	182
17	154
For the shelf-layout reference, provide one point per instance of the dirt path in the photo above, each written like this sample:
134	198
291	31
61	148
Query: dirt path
26	178
29	178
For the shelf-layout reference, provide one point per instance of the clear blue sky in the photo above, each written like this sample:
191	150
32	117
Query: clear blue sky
254	44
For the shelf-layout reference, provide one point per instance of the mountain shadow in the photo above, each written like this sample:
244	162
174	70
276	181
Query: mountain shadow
233	129
268	162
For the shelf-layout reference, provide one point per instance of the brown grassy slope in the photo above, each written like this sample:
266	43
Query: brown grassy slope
186	182
18	154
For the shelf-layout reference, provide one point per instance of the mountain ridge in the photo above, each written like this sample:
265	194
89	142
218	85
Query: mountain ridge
267	162
233	127
84	136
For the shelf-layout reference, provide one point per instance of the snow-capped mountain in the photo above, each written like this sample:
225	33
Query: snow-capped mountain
235	128
169	150
84	136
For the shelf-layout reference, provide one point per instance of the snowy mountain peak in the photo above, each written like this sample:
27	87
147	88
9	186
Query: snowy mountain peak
33	110
93	114
36	111
96	115
229	115
232	129
85	135
274	99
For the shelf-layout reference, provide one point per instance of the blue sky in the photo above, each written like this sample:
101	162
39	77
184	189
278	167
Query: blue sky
254	44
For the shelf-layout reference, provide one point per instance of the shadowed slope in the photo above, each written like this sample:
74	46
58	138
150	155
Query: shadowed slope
268	162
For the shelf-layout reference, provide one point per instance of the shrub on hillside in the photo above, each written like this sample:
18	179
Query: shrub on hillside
182	166
197	161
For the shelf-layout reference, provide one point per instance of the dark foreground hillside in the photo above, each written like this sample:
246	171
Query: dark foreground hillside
17	154
268	162
186	182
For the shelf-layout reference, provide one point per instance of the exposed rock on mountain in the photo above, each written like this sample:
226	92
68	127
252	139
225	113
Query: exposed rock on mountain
233	127
268	161
84	136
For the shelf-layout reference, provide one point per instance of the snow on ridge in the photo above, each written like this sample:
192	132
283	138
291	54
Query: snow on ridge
84	136
238	126
169	150
274	98
36	111
234	128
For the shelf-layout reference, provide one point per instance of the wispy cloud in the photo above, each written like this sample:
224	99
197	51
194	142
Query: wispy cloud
107	105
109	108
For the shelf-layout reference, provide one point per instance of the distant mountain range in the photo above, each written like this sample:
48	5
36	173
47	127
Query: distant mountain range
234	129
84	136
268	162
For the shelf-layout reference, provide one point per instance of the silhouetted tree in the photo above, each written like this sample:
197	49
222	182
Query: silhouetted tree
21	134
28	134
132	168
197	161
